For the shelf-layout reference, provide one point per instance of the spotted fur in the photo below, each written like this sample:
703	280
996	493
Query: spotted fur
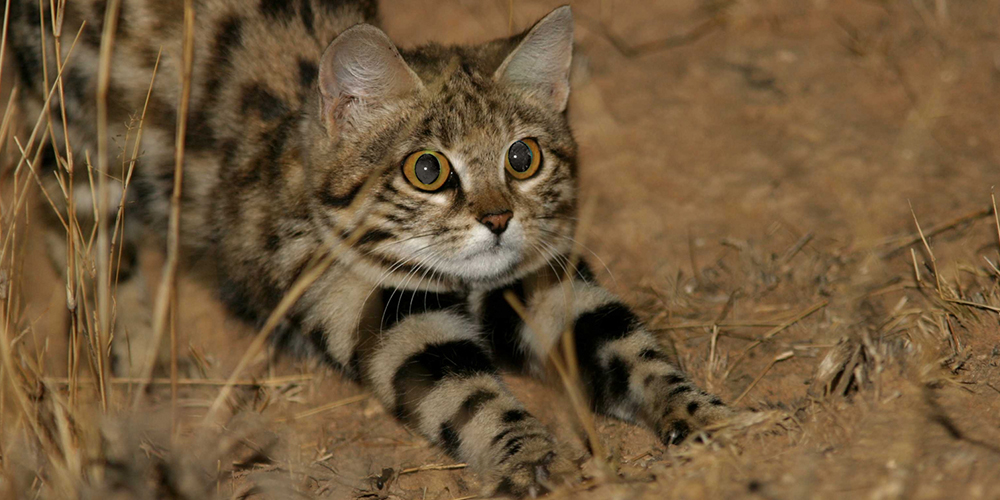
299	125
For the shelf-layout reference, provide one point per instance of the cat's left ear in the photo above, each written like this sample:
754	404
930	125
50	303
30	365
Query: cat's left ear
360	73
540	63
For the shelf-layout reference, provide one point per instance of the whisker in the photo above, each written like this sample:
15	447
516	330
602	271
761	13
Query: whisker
424	275
382	246
546	256
584	247
435	272
558	217
560	260
401	288
381	279
403	284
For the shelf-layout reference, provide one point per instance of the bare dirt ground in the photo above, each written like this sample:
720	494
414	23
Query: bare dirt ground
751	167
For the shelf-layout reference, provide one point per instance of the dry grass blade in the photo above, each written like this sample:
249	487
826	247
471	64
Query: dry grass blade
8	257
174	237
269	382
168	285
568	335
74	234
3	40
432	467
8	114
777	359
127	174
778	329
41	185
996	217
722	324
693	257
973	304
797	247
329	406
569	372
570	384
916	268
930	253
18	205
257	345
103	195
934	230
510	17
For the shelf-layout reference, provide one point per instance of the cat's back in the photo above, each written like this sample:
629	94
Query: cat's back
255	65
254	60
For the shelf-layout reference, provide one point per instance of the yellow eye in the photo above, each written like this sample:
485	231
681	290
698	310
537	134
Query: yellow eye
427	170
523	158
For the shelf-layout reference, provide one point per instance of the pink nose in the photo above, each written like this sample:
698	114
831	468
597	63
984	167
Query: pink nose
497	222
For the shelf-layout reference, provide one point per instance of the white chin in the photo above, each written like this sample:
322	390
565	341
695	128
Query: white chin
483	266
483	257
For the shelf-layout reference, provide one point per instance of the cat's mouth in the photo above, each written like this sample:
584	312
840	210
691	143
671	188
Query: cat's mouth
479	258
489	262
485	257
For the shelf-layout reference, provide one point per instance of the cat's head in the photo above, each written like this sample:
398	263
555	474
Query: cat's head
448	165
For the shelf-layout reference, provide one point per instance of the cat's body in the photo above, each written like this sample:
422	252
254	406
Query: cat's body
297	147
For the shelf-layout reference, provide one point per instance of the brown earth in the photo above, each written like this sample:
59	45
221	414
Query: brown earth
744	163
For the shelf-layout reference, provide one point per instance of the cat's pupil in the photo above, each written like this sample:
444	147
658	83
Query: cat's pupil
427	169
519	156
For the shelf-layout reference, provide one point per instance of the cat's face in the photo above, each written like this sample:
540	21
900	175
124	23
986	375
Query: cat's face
482	185
475	169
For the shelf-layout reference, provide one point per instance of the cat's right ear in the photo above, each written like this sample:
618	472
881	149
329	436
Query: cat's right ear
359	73
540	63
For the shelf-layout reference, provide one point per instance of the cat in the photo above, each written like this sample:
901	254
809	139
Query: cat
442	178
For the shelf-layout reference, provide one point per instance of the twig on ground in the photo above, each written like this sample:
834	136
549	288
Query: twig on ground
996	217
767	336
973	304
327	407
781	357
930	253
724	324
432	467
797	247
897	246
269	382
695	269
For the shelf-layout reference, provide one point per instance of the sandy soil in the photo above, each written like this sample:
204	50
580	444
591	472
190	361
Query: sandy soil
747	162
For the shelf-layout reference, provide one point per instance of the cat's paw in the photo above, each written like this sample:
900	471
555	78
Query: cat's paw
529	465
697	414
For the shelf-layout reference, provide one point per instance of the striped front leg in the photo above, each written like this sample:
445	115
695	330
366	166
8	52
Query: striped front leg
626	372
433	371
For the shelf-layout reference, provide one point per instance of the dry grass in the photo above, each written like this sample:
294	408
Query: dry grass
869	361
